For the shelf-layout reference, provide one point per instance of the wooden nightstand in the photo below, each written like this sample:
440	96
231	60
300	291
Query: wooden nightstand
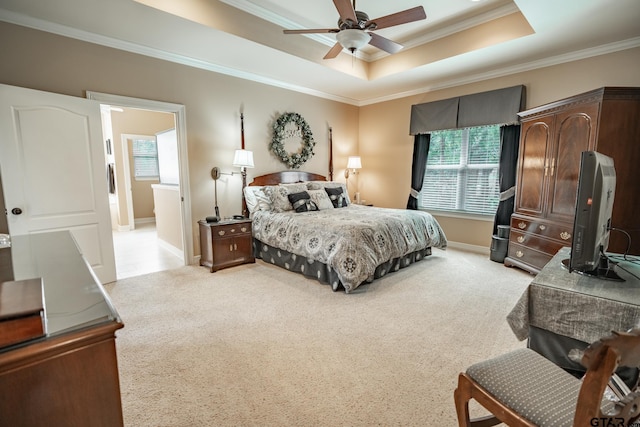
225	244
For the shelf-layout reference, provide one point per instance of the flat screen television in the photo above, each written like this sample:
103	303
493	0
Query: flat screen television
592	225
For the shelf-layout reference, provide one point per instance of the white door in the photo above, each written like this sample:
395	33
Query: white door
54	171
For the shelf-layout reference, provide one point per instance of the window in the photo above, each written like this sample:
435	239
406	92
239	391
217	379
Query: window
462	171
145	159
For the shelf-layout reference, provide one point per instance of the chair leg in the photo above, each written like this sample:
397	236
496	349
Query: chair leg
461	396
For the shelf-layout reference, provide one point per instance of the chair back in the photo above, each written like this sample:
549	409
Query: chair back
601	359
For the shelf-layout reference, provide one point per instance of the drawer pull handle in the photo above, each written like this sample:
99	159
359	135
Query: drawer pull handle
543	227
522	225
230	248
235	247
565	236
243	229
221	232
519	254
520	239
233	230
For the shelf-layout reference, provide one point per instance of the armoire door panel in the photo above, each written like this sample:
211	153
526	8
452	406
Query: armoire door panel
533	166
575	133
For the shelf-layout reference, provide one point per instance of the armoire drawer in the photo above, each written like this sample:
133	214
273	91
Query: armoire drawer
560	232
528	256
533	241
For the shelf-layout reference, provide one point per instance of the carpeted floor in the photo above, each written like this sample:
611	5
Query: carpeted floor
256	345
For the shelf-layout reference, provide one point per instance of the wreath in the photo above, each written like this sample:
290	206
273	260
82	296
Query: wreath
280	133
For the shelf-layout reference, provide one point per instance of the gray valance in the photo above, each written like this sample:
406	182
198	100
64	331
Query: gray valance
438	115
499	106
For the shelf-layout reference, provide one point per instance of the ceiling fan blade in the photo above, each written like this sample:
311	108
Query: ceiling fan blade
409	15
384	43
334	51
311	31
345	9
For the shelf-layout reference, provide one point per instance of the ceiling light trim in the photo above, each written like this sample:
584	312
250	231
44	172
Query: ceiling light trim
453	28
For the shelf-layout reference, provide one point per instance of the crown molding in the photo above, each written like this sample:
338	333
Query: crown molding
26	21
520	68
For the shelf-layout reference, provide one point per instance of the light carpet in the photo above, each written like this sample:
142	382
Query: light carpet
256	345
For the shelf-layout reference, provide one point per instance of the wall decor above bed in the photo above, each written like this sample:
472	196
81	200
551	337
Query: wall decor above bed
291	126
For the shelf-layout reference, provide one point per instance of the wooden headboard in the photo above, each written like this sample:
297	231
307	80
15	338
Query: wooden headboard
286	177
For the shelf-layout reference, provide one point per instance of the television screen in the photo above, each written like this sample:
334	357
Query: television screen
592	225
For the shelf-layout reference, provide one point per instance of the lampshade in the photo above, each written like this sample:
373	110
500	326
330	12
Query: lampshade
353	39
354	162
243	159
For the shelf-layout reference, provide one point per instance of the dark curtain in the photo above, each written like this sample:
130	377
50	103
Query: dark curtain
419	166
509	145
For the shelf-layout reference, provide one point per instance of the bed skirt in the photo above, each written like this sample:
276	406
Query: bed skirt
322	272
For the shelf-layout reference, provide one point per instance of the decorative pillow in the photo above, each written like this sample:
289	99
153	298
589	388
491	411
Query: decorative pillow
337	197
319	185
294	187
256	199
301	202
321	199
278	196
316	185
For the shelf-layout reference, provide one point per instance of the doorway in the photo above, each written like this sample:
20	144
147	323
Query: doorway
139	204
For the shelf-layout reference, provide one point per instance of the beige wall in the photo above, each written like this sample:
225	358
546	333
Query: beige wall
213	103
135	122
386	147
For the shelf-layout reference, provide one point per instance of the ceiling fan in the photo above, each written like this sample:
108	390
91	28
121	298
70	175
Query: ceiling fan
355	28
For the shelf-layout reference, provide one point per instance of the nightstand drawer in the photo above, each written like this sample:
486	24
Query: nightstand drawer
232	229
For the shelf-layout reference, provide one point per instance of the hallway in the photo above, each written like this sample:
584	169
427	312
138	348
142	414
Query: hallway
138	252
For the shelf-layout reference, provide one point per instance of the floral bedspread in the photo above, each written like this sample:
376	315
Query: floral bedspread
353	240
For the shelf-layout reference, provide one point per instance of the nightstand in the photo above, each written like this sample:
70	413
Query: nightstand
225	243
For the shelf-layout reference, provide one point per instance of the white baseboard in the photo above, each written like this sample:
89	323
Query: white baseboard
144	220
471	248
168	246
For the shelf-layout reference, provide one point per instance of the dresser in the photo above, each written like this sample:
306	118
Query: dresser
66	374
225	243
552	138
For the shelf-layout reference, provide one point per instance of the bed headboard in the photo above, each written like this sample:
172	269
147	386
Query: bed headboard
286	177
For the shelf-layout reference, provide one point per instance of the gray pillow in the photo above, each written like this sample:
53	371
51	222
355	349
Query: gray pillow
301	202
337	197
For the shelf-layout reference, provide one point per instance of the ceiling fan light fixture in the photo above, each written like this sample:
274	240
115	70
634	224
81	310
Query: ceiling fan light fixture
353	39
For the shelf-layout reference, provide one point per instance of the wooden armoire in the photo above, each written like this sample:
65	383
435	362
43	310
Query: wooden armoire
552	138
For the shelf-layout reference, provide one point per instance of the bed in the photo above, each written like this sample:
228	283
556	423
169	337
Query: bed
321	234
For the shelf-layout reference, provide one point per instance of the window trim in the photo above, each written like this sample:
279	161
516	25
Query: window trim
461	177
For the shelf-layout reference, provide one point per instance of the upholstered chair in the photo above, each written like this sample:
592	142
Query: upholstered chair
522	388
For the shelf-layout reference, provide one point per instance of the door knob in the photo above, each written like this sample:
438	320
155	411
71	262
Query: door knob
16	211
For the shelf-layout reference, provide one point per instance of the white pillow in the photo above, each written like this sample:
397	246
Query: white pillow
256	199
